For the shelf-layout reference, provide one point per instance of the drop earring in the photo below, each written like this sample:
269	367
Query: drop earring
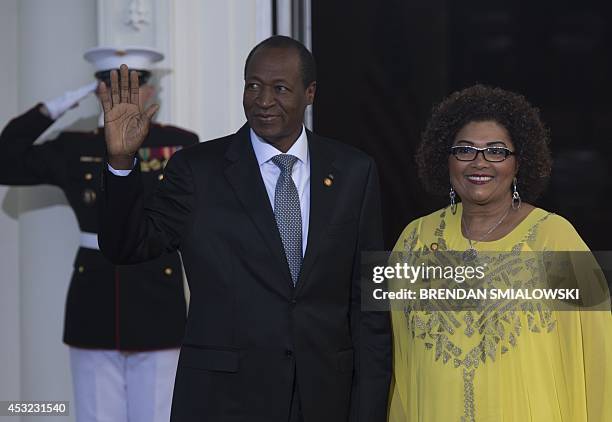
516	198
453	204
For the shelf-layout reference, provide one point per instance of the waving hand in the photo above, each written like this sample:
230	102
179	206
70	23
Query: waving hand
126	124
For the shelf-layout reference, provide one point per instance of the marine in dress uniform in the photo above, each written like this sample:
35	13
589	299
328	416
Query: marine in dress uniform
124	324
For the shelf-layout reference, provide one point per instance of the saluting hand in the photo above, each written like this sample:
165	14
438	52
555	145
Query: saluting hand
126	124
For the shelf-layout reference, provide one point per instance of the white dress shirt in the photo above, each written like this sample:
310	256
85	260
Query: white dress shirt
270	173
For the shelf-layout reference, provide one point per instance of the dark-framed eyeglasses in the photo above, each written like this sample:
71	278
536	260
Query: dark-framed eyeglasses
491	154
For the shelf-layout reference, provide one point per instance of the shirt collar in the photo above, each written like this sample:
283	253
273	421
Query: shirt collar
264	151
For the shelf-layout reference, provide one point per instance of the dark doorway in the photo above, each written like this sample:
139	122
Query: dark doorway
384	65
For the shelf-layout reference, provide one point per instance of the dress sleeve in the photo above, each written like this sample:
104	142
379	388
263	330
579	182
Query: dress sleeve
595	326
597	348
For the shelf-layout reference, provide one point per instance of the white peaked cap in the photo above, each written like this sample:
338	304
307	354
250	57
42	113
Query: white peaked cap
107	58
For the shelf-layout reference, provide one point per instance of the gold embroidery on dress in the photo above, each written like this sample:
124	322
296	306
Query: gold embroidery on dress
468	394
498	324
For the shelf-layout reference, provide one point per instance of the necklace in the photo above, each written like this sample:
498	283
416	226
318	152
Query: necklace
471	253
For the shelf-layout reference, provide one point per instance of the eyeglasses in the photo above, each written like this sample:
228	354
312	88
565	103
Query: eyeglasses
491	154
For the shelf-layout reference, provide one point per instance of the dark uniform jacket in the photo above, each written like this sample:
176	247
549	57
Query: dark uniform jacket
139	307
251	334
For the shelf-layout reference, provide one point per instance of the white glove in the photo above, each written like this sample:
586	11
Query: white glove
58	106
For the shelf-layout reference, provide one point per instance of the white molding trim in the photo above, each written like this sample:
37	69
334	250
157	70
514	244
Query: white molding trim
164	75
284	17
138	15
185	53
263	18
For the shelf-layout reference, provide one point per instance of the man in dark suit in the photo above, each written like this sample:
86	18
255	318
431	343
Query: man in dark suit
270	222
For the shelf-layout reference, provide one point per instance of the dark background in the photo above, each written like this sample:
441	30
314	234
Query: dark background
383	65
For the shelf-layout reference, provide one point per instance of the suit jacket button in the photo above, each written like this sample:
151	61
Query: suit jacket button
81	268
288	353
293	302
88	176
168	271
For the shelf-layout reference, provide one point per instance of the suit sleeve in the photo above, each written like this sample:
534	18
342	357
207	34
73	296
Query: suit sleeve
21	162
371	331
133	231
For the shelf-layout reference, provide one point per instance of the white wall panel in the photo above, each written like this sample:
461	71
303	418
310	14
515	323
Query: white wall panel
51	39
10	384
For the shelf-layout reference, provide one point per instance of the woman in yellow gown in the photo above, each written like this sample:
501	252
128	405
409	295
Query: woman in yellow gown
505	364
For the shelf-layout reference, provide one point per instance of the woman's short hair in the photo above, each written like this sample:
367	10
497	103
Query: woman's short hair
481	103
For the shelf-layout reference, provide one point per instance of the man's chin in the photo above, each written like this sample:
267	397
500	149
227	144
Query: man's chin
266	132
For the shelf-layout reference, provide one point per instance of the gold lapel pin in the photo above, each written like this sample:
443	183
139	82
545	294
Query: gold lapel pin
329	180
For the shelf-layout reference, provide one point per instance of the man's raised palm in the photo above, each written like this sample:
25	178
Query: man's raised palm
126	124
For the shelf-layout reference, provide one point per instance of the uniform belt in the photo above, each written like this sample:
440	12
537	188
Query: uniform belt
89	240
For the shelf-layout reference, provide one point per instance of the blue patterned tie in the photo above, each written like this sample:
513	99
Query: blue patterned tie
288	215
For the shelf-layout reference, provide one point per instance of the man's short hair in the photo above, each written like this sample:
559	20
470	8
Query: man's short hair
307	63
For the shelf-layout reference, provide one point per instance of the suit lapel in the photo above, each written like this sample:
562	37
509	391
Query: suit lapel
322	201
244	176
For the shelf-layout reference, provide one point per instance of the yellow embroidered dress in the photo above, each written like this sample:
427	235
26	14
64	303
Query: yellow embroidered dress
518	366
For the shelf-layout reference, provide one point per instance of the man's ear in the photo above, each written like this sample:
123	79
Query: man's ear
310	92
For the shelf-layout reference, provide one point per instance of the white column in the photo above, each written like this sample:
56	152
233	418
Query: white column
52	38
